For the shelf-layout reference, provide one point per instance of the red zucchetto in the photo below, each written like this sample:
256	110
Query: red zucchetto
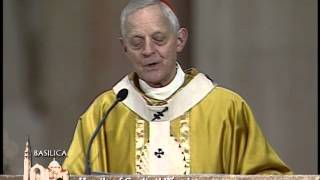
169	4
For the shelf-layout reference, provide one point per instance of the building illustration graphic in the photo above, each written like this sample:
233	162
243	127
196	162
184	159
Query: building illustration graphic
38	172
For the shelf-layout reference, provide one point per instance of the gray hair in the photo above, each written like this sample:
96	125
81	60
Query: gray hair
135	5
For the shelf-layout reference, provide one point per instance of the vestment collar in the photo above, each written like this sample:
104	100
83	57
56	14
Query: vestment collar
182	101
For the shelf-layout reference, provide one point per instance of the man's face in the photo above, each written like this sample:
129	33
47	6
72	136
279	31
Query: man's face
152	46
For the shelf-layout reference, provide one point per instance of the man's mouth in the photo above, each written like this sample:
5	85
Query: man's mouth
152	66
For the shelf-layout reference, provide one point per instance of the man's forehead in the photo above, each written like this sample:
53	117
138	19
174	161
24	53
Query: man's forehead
141	30
148	17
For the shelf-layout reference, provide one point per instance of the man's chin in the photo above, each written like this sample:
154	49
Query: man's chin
152	76
155	78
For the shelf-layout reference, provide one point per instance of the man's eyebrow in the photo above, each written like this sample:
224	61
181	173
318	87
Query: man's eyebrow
158	32
136	36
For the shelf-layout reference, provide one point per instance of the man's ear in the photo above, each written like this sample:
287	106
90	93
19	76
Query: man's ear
182	39
123	44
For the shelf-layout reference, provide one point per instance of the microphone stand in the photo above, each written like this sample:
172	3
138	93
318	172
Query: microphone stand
122	94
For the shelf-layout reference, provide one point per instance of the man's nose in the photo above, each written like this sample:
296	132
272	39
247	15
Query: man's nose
149	48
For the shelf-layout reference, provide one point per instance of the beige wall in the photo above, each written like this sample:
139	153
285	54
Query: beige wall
267	52
59	55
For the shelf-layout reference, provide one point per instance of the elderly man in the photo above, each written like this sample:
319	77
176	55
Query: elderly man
172	122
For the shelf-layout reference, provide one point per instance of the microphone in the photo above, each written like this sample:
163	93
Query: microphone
122	94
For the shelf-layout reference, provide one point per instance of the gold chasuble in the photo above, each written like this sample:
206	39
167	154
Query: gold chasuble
201	128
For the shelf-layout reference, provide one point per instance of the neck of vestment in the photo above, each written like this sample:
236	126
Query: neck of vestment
194	88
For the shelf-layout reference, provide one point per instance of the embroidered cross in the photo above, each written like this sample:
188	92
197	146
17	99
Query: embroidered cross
159	153
158	115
